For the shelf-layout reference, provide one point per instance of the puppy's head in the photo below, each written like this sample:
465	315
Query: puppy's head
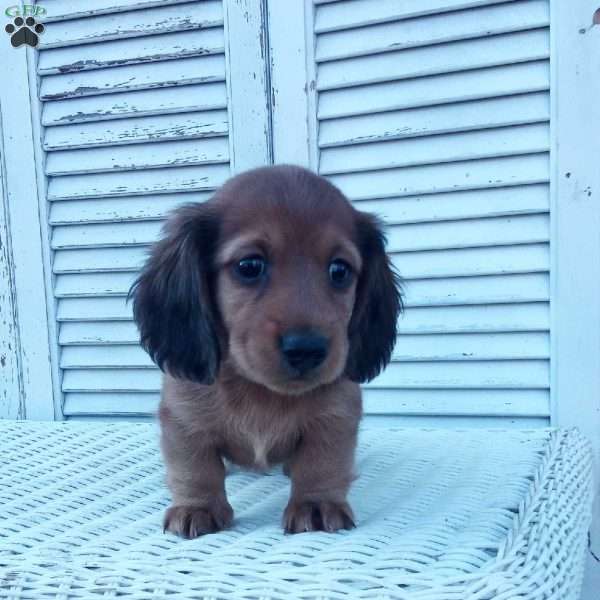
277	273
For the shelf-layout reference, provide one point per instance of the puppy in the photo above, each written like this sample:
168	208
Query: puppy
265	307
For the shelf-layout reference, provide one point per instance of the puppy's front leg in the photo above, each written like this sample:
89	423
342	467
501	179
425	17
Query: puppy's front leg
321	471
196	478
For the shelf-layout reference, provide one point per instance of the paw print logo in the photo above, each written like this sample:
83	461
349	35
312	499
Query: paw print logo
24	31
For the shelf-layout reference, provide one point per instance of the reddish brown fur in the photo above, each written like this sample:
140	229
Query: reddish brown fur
226	393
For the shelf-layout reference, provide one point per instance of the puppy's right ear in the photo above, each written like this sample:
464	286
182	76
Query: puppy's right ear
173	303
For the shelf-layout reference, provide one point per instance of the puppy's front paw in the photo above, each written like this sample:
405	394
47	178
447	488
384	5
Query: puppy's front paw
193	521
317	516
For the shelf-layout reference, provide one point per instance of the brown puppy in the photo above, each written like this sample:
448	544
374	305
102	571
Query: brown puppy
265	307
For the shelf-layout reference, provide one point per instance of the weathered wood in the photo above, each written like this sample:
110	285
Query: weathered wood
448	206
491	289
436	120
521	229
433	60
484	318
434	29
471	145
209	151
470	403
119	210
490	82
428	179
533	374
203	69
100	260
167	46
246	55
94	309
105	235
158	128
60	10
12	404
161	19
465	262
359	13
575	225
188	98
155	181
27	236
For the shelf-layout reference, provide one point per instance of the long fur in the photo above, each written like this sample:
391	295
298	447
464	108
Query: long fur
226	393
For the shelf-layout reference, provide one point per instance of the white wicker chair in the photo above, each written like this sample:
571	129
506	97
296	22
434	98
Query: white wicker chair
441	515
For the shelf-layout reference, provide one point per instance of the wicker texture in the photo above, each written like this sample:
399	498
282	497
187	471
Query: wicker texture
441	515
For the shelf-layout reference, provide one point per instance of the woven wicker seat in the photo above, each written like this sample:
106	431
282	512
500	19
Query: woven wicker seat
441	515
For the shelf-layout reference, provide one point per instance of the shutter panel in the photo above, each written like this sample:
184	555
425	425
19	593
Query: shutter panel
135	112
435	115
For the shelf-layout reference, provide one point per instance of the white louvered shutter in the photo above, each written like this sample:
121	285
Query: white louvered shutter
435	115
134	108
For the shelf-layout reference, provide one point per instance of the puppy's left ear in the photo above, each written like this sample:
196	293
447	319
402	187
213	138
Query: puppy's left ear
372	329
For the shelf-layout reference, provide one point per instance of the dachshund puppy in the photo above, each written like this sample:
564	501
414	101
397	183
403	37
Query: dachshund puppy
265	307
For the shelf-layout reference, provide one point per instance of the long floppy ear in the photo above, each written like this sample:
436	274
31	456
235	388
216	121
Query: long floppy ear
372	328
173	303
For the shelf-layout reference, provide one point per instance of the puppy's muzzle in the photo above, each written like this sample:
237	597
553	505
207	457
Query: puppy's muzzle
302	351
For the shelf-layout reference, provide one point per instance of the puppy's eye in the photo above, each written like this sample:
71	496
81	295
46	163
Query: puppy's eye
340	273
250	269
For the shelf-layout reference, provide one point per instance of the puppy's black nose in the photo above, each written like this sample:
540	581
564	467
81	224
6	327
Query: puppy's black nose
303	351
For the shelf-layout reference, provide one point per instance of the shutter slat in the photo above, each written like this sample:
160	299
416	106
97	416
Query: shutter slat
161	19
522	229
358	13
447	118
468	175
483	374
94	309
118	210
105	235
492	82
491	289
529	258
104	333
204	69
489	318
432	60
138	156
433	29
111	380
122	404
472	145
469	204
189	98
96	357
458	402
155	181
99	260
143	129
93	284
59	10
481	346
166	46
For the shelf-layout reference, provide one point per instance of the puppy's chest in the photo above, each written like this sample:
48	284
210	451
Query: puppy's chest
260	449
